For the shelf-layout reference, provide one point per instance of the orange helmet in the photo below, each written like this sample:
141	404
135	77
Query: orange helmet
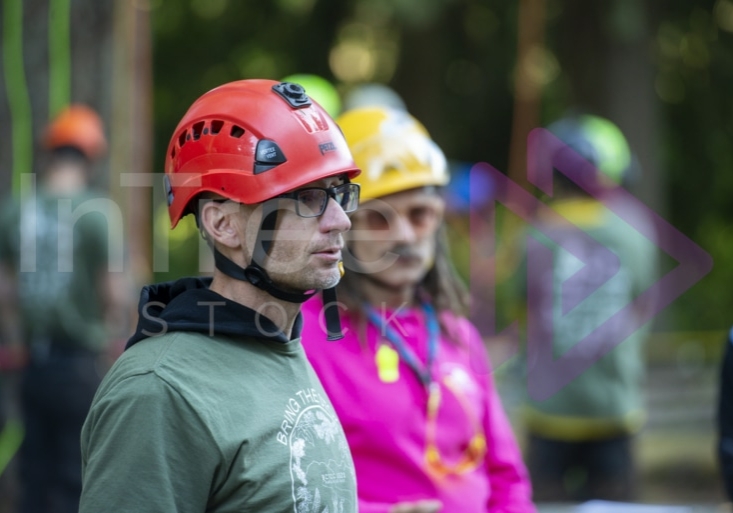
80	127
249	141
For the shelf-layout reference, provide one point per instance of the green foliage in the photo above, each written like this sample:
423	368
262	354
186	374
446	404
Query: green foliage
454	63
696	54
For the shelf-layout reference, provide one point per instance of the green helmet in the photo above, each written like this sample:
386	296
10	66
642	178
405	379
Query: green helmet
598	140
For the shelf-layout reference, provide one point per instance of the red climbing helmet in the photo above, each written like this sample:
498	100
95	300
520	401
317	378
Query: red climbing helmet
249	141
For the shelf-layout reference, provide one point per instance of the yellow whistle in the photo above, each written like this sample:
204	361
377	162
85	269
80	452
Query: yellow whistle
341	268
388	364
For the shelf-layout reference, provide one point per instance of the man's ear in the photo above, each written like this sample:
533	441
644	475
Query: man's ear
221	222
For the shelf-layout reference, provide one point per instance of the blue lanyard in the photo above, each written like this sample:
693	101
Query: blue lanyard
424	374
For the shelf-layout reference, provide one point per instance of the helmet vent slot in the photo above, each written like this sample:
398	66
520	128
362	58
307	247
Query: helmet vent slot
237	131
182	138
196	130
216	126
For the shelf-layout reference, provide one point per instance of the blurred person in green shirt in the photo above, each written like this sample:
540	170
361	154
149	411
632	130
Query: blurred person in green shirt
64	299
580	438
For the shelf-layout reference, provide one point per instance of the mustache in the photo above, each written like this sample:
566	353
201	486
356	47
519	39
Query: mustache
404	251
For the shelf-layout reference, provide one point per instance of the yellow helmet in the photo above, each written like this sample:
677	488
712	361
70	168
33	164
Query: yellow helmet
393	150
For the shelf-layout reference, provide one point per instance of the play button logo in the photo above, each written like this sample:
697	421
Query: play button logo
550	368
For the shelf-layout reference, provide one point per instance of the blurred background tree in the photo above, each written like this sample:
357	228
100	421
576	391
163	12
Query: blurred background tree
479	73
661	70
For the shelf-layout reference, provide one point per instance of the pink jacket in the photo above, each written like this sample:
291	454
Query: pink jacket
385	420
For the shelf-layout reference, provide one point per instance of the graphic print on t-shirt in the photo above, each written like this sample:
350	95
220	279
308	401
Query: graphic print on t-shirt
321	470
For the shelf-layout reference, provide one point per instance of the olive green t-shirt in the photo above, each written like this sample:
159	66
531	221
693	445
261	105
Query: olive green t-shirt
605	399
184	422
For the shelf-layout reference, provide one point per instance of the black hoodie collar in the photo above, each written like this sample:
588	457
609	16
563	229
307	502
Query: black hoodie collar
189	305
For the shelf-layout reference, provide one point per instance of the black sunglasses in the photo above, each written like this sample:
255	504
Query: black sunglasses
312	202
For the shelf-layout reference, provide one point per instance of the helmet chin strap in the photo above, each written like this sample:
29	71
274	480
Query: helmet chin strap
258	277
255	273
331	312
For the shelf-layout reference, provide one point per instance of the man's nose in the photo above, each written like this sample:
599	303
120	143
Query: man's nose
402	229
334	218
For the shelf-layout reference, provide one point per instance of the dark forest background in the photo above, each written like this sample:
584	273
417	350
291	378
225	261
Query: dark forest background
479	73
